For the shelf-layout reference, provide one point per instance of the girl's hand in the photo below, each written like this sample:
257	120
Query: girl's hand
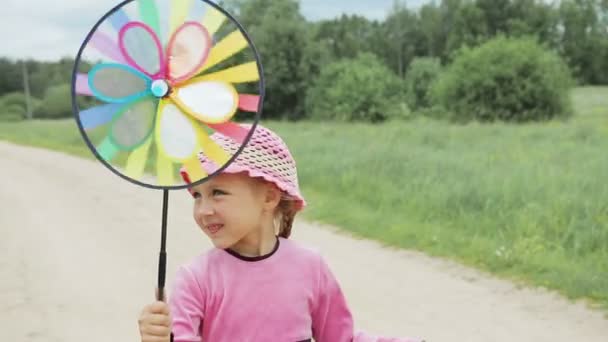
155	323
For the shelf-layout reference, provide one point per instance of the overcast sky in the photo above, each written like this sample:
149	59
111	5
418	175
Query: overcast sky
48	30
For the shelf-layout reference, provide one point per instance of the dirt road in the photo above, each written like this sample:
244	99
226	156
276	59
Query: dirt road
78	253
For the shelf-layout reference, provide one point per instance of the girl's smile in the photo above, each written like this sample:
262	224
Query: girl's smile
237	212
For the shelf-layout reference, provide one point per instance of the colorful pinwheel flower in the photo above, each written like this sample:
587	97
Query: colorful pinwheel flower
164	95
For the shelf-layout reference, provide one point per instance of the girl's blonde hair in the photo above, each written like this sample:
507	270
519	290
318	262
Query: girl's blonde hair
285	211
285	214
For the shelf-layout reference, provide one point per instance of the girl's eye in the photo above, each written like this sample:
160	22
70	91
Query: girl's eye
196	195
217	192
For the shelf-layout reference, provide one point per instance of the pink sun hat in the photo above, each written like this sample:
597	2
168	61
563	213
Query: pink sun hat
265	156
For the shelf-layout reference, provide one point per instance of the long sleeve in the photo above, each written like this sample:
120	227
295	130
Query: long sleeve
331	318
187	306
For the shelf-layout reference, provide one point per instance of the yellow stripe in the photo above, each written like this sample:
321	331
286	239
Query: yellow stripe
137	161
209	148
227	47
164	170
247	72
194	169
213	151
179	12
213	19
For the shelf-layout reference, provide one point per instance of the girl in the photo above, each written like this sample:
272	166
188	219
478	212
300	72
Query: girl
256	285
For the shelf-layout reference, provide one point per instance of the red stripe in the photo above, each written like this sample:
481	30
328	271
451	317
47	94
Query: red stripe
249	103
232	130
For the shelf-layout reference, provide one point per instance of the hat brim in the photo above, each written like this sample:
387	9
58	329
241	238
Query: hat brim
234	168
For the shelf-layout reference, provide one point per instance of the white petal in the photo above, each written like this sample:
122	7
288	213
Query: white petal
177	136
210	101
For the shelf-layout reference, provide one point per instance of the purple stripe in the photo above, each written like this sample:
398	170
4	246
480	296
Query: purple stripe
104	44
82	85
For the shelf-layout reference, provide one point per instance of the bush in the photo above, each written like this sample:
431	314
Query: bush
505	79
421	75
359	89
56	104
10	117
14	98
16	102
11	112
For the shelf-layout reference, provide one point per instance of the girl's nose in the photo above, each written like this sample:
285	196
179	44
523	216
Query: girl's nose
205	208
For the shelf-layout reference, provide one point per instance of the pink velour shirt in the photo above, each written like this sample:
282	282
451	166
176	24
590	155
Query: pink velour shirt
288	295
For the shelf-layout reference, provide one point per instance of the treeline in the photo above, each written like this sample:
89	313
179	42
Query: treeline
305	60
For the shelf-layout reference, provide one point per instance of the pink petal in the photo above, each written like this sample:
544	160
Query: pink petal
187	51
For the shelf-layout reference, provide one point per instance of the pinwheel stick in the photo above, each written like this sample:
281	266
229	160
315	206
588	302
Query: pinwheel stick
162	257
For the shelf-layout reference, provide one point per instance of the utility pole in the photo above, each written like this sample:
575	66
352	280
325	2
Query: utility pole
26	86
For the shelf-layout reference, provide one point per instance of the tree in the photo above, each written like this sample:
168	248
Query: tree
534	18
402	38
470	27
496	14
279	32
347	36
448	17
584	39
475	22
11	78
359	89
431	28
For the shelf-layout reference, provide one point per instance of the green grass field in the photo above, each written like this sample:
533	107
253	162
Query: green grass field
527	202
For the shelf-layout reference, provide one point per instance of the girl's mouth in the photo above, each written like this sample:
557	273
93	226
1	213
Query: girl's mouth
214	228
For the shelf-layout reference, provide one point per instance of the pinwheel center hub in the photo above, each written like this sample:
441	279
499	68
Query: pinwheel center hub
160	88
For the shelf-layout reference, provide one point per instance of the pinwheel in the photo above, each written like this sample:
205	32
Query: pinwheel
153	79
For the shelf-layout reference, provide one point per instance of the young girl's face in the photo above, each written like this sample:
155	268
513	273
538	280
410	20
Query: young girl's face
230	207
